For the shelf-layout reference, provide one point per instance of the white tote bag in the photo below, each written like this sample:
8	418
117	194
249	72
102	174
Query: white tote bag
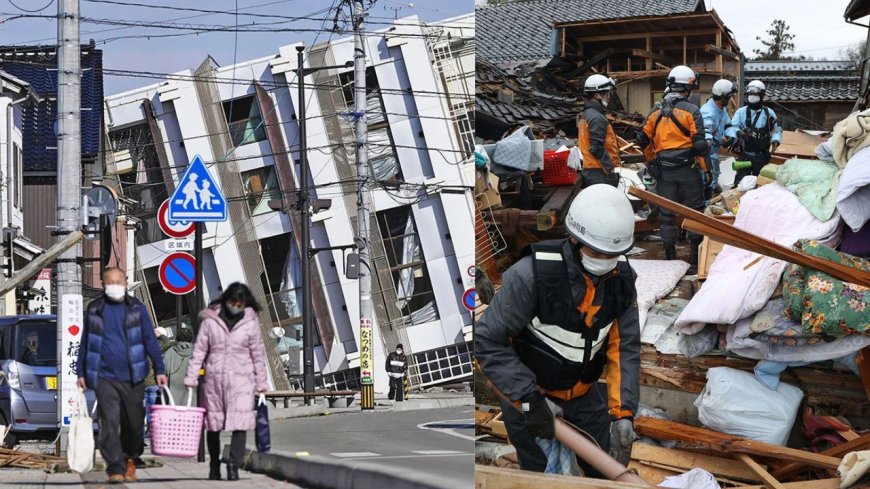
80	449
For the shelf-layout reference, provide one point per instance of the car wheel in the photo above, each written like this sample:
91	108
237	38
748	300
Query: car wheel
11	439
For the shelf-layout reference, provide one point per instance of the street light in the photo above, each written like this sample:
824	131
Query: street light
307	316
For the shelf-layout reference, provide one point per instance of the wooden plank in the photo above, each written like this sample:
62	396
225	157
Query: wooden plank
557	204
816	484
737	237
486	477
649	59
860	443
759	470
669	430
685	461
722	52
651	472
616	37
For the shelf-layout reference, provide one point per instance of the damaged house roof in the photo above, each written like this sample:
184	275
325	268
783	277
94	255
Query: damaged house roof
805	81
523	29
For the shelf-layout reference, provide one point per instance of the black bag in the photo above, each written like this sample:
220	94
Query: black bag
263	438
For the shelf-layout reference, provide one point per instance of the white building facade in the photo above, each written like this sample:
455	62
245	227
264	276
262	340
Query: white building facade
242	121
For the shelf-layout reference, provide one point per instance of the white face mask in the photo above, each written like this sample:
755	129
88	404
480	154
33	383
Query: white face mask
598	266
234	311
753	99
116	292
399	352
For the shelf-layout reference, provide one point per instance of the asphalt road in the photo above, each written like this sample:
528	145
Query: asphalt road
436	442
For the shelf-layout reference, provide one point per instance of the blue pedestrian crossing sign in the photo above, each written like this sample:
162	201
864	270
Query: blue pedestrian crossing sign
197	198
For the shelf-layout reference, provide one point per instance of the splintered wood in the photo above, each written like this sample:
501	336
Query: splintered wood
28	460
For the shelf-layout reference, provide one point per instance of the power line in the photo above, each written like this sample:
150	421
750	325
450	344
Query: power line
32	11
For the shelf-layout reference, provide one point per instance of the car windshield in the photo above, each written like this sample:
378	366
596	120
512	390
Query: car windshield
36	344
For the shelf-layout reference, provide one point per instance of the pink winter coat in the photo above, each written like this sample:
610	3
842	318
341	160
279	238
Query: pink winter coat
235	369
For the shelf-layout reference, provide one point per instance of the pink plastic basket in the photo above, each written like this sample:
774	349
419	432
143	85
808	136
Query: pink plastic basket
176	430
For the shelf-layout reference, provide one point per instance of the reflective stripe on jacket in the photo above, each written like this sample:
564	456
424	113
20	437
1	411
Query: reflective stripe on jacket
514	345
675	131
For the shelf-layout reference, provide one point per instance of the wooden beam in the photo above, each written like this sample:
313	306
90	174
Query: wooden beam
728	54
816	484
650	57
620	37
722	442
41	261
554	209
563	43
719	62
860	443
685	461
765	476
737	237
594	60
685	45
486	477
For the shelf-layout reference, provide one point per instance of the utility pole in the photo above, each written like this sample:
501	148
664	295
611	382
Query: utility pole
69	195
307	313
363	207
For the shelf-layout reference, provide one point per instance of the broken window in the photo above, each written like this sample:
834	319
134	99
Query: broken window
414	295
261	186
244	120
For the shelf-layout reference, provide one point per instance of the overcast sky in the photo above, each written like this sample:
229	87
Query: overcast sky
818	25
166	55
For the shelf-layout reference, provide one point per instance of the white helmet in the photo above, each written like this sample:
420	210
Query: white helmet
598	84
755	86
601	218
723	89
682	78
276	332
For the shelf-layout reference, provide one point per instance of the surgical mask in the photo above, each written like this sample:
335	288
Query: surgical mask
605	101
598	266
234	311
116	292
753	99
399	352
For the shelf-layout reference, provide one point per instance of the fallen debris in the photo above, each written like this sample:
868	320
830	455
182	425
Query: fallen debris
29	460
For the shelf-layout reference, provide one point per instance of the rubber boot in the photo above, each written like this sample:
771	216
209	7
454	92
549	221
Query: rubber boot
232	472
214	471
670	251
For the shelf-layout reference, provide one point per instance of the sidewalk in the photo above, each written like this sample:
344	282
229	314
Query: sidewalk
416	401
175	473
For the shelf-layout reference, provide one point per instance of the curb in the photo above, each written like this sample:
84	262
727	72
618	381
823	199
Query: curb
320	472
419	404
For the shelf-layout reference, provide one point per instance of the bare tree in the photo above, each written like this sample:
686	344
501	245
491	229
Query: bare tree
855	52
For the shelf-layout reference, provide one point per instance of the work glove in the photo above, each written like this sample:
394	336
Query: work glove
708	178
541	417
727	142
621	438
773	146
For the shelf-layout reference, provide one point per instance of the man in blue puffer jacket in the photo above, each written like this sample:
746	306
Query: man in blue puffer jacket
117	340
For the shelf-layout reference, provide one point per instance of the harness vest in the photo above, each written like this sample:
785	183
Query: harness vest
562	345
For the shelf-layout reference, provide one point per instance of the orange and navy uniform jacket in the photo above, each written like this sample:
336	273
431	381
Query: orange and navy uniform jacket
596	139
559	340
674	132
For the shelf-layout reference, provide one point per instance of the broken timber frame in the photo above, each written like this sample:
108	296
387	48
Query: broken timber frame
697	222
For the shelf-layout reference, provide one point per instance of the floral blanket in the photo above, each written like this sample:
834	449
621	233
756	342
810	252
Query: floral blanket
822	303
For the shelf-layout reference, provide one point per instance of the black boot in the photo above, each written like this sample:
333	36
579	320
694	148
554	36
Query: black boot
670	251
232	472
214	472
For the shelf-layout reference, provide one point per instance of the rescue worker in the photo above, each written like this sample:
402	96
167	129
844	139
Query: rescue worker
596	139
716	122
757	130
396	366
673	138
565	310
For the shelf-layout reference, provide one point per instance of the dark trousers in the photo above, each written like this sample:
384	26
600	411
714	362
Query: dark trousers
684	185
397	389
588	412
237	446
594	176
758	161
122	416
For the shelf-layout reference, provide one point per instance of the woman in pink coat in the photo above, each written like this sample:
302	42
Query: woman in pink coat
230	345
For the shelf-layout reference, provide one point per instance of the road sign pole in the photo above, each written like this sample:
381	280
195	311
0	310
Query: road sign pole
200	298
